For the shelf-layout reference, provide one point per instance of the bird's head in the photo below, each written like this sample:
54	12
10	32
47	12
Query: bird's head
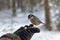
30	16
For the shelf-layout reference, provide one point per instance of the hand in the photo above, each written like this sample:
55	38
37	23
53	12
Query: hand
26	32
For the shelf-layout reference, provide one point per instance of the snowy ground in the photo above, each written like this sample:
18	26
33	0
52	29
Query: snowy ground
6	25
46	35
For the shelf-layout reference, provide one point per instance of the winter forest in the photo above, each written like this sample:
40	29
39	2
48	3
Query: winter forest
14	14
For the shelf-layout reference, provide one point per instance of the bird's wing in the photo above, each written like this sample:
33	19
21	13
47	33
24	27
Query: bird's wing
37	19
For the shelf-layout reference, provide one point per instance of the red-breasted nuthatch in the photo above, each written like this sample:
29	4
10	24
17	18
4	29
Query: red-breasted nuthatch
34	20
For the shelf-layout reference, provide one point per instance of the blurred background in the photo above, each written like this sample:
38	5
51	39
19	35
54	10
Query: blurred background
14	14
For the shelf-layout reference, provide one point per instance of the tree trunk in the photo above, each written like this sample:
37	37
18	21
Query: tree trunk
0	4
18	3
8	4
31	4
22	5
13	8
47	15
58	19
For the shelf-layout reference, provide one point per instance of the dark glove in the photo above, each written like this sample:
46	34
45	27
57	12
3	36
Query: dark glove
26	32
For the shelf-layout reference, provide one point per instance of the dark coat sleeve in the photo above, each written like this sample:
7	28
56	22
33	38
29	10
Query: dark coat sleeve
10	37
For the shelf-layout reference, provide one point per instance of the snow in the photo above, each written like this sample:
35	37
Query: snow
46	35
21	20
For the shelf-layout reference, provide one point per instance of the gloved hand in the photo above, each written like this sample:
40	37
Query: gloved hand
26	32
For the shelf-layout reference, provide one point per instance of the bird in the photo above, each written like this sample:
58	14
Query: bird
34	20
